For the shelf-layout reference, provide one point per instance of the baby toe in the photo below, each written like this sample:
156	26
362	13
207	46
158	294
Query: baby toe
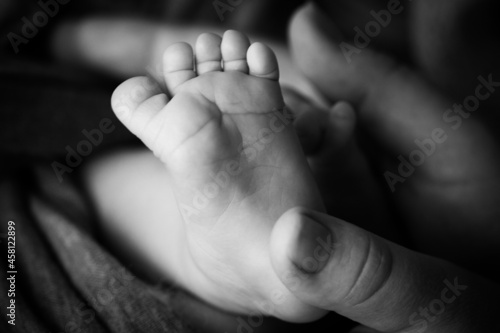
234	51
178	65
262	62
208	53
136	102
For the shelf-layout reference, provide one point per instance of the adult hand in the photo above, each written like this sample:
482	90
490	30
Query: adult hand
448	202
435	156
337	266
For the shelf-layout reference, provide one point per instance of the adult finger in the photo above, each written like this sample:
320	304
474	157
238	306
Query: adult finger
334	265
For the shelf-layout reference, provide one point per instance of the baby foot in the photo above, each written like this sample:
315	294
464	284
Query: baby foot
235	166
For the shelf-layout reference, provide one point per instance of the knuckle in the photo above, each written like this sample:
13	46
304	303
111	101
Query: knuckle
374	271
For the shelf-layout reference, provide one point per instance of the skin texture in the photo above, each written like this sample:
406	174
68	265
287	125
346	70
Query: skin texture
448	204
476	200
458	182
222	138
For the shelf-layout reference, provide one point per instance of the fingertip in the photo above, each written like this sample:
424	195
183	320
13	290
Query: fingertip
300	248
327	262
343	110
307	250
327	132
342	118
280	239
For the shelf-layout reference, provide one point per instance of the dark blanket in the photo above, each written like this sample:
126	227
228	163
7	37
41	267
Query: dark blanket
65	280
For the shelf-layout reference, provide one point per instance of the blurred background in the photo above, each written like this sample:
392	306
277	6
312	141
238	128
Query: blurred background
60	60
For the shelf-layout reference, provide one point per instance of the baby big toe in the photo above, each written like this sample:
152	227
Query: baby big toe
136	103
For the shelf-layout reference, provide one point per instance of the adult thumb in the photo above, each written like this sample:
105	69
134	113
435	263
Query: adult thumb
334	265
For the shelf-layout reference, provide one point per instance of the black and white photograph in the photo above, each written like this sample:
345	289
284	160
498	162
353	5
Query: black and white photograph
249	166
